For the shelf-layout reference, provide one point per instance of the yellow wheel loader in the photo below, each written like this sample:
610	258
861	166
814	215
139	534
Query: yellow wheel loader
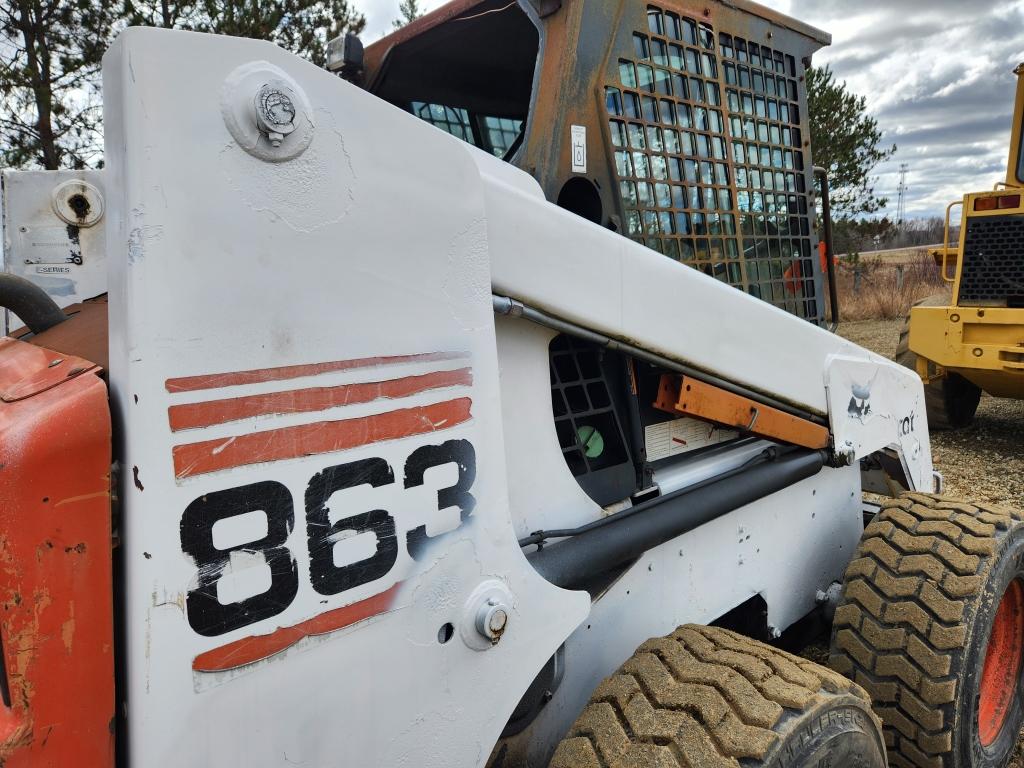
970	339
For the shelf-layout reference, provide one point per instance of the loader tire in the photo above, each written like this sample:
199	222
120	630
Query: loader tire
712	698
951	400
931	624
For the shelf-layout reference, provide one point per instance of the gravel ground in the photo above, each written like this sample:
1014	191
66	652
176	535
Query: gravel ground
984	462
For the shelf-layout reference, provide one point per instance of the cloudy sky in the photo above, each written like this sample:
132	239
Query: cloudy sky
937	75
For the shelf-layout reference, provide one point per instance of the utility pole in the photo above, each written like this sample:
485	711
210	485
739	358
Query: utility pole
901	203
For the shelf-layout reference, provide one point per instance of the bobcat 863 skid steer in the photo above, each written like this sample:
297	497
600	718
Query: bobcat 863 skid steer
332	440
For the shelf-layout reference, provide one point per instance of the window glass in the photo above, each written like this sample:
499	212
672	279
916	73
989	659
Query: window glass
454	121
1020	156
501	134
495	134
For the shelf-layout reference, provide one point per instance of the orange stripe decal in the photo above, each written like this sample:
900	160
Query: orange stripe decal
260	375
207	414
252	649
311	439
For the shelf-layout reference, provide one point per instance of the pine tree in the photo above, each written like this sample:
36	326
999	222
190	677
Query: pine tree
410	10
846	141
49	81
301	26
51	50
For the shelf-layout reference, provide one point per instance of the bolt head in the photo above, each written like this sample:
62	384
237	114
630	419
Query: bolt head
492	619
498	620
275	113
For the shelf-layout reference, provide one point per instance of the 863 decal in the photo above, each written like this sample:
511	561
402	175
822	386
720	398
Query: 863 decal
208	616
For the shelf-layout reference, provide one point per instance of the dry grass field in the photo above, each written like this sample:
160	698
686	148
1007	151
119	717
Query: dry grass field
885	285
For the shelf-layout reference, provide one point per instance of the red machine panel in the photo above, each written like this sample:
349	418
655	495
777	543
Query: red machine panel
56	604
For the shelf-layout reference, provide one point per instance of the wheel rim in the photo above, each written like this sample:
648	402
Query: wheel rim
1001	673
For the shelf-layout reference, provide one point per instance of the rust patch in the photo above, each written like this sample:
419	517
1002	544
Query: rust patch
683	396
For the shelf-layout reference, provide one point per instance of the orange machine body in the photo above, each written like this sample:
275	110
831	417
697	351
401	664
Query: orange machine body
56	590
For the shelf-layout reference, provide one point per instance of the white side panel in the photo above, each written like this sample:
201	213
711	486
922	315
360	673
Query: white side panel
68	261
784	548
277	613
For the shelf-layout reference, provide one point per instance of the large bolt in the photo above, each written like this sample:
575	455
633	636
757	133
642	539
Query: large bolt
275	113
491	619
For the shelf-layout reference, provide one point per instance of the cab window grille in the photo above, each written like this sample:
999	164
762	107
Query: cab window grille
993	268
709	155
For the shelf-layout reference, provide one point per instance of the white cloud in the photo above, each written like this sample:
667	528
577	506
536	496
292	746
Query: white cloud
937	75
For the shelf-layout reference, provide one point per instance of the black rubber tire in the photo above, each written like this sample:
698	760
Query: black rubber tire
951	400
710	697
914	621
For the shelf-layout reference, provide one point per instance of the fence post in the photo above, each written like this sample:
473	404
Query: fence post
899	277
856	279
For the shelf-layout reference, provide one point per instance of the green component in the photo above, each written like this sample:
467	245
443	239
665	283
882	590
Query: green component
591	440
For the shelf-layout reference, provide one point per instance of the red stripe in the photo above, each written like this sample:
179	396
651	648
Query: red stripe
214	380
252	649
207	414
322	437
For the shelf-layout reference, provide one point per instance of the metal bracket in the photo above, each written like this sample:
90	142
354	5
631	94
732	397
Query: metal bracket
683	396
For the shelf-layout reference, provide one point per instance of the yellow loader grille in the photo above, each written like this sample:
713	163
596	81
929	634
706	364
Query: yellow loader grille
993	268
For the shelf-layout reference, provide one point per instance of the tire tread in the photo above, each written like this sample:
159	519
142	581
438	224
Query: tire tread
902	623
702	696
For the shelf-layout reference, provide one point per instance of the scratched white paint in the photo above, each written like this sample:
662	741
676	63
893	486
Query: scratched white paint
873	406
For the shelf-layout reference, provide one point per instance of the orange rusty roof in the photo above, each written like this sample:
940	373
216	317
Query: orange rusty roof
376	52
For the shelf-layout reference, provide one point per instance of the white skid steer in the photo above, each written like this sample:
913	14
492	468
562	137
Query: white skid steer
329	438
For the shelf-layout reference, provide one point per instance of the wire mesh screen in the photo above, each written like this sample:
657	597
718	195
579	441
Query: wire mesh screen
708	150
